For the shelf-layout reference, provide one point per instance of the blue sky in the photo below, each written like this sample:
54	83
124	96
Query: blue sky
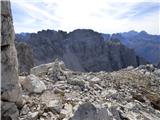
99	15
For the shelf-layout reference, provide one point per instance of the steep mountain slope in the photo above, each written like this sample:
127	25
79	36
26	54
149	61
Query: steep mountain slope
25	57
81	50
144	44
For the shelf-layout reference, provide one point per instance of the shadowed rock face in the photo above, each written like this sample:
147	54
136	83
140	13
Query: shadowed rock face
10	90
85	112
81	50
25	58
144	44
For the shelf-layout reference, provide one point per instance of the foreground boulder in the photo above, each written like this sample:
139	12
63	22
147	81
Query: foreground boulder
10	89
85	111
33	84
9	111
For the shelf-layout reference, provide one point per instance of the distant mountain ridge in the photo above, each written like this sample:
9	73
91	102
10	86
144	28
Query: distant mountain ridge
144	44
81	50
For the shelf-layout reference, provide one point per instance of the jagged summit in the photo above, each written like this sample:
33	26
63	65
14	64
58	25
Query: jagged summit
145	45
143	32
81	50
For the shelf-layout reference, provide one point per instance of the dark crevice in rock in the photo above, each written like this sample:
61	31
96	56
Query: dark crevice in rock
138	97
4	47
156	105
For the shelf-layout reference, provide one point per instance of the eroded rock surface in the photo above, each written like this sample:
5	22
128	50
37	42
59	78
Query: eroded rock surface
33	84
10	89
130	94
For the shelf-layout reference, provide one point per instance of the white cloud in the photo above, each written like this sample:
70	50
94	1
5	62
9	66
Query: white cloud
100	15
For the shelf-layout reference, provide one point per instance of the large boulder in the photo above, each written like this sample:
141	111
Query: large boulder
33	84
85	111
55	70
88	111
10	89
41	69
9	111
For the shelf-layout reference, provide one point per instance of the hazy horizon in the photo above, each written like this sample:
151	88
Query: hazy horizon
101	16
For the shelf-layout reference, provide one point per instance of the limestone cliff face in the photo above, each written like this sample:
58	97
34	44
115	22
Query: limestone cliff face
81	50
10	90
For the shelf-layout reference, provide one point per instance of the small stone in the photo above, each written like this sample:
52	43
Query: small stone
95	80
98	87
76	81
33	115
67	111
130	68
25	110
59	91
54	106
157	72
22	79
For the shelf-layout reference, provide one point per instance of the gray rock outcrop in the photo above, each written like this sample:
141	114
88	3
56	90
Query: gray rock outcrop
10	89
33	84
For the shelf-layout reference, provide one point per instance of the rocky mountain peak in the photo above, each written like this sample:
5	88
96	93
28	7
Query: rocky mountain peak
143	32
135	40
81	50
